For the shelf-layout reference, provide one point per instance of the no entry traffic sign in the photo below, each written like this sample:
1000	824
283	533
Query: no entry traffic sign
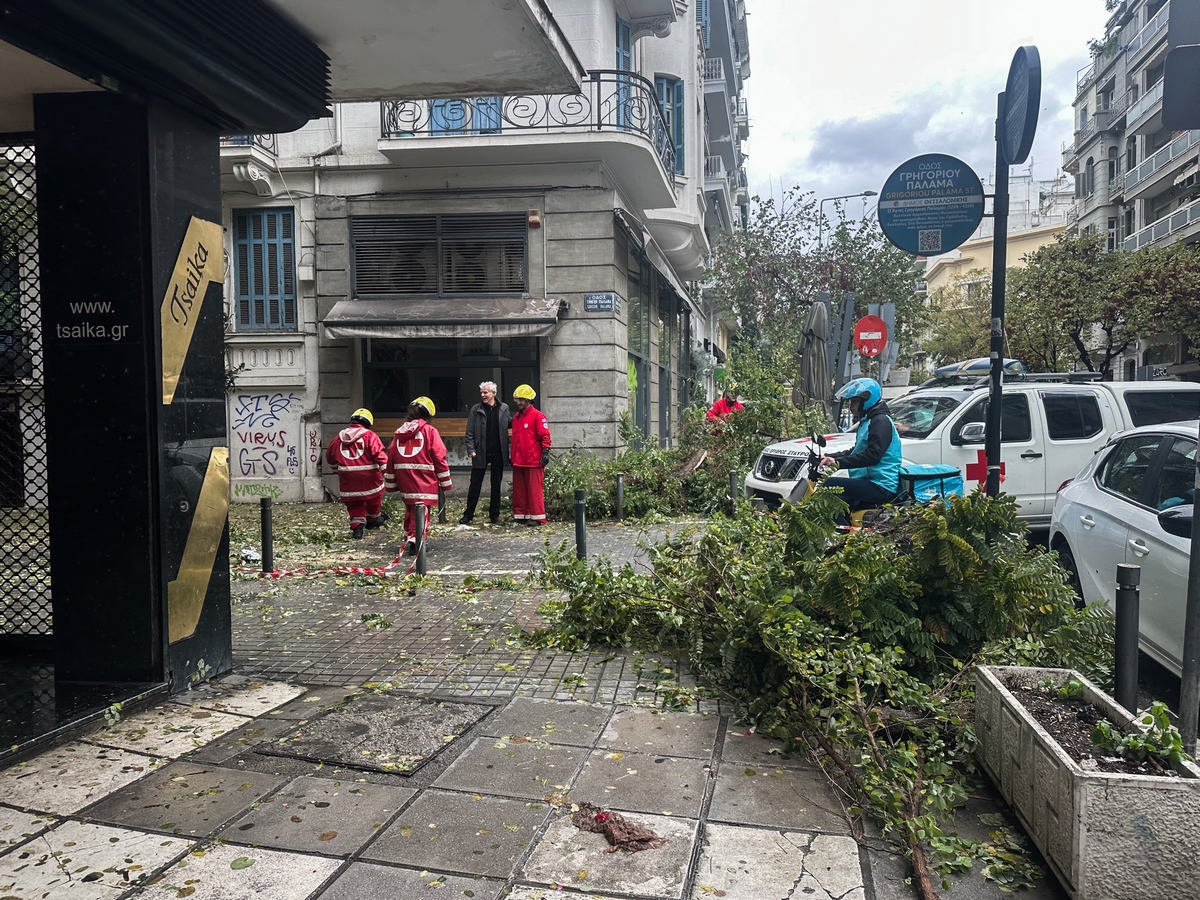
931	204
870	334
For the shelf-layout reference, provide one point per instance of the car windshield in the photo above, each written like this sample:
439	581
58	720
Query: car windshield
916	415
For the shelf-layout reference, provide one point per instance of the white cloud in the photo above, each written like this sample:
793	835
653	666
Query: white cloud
843	92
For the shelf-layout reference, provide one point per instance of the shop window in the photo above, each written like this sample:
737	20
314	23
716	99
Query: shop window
443	256
264	254
447	370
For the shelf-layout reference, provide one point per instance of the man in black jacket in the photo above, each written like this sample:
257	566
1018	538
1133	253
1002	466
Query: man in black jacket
488	423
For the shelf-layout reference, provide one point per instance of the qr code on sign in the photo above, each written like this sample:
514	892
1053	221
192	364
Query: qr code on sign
929	241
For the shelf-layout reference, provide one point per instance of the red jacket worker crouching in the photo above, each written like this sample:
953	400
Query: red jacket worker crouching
358	457
416	465
725	407
530	451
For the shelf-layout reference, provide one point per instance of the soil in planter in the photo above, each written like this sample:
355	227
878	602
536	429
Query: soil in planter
1070	722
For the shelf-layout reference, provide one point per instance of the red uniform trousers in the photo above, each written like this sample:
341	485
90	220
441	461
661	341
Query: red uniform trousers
363	508
529	501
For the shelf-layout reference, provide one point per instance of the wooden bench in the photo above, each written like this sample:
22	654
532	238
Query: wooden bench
449	427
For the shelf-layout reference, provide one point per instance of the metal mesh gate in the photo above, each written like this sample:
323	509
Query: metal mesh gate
24	527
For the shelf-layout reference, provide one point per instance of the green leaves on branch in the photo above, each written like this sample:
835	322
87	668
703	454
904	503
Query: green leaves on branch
861	645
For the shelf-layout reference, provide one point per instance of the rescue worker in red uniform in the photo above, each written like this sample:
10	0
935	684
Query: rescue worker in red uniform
357	455
416	466
530	451
726	405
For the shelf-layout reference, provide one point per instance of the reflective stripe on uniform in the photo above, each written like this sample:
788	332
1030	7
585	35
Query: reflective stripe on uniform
370	493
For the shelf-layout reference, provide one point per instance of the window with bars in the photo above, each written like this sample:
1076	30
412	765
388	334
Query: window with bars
440	255
670	98
264	259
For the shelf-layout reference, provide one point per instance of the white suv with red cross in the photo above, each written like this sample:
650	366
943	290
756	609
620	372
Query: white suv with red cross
1050	430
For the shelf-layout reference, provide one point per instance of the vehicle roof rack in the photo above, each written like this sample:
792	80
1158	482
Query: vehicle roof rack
1068	377
973	382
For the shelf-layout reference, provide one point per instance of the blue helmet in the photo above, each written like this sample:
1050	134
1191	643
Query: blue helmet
866	388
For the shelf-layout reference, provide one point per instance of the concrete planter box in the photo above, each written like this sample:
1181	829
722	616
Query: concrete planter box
1106	836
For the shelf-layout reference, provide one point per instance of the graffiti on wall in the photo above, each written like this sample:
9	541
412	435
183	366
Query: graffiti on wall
266	435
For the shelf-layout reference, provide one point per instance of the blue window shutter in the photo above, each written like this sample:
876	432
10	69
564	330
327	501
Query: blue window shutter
679	130
487	115
447	116
265	269
624	46
702	18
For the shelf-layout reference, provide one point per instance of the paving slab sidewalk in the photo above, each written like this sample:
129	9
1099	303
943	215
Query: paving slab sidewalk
490	816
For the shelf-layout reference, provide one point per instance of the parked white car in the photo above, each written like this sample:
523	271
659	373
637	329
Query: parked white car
1133	504
1050	430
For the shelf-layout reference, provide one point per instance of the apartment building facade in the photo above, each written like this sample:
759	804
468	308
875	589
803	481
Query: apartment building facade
421	246
1136	182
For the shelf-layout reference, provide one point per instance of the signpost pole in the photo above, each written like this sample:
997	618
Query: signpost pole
999	263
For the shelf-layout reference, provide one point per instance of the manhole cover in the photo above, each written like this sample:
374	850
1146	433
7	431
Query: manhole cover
396	735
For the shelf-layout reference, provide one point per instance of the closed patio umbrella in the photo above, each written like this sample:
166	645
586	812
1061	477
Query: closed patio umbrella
813	384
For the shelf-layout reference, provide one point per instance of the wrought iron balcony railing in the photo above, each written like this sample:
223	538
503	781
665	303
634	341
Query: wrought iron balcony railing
611	100
265	142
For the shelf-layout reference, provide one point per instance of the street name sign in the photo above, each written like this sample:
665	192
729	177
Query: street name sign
601	302
931	204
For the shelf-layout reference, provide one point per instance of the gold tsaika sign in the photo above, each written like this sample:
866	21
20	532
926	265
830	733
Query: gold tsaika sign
185	595
200	262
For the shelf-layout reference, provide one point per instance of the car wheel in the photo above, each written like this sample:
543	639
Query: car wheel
1066	559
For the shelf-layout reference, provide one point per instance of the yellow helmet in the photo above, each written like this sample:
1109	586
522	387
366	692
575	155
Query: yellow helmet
365	415
428	404
524	392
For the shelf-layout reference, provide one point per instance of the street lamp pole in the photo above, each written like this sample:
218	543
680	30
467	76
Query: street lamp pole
821	210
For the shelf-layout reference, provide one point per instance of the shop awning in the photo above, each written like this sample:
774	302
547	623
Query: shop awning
474	317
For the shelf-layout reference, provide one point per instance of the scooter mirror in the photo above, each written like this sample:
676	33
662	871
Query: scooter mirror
819	440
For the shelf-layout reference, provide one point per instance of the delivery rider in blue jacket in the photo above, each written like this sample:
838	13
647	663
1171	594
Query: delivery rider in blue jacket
874	462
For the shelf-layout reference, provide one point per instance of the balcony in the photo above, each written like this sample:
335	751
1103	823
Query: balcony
1148	178
615	119
741	187
250	159
1084	77
1148	37
1145	115
1070	160
720	194
741	118
719	109
1182	223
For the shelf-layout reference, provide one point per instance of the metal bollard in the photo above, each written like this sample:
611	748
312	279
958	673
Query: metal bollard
268	539
1125	670
420	517
733	492
620	497
581	524
441	505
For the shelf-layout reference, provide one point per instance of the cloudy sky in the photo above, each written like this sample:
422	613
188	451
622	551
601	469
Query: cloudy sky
842	92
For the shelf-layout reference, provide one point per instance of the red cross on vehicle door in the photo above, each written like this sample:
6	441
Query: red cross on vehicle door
1022	453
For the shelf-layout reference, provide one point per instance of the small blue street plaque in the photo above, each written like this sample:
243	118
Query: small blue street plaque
603	302
930	204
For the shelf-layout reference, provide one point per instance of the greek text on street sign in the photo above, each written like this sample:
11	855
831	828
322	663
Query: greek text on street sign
931	204
870	335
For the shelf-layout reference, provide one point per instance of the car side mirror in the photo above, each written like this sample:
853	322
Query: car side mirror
973	433
1177	520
